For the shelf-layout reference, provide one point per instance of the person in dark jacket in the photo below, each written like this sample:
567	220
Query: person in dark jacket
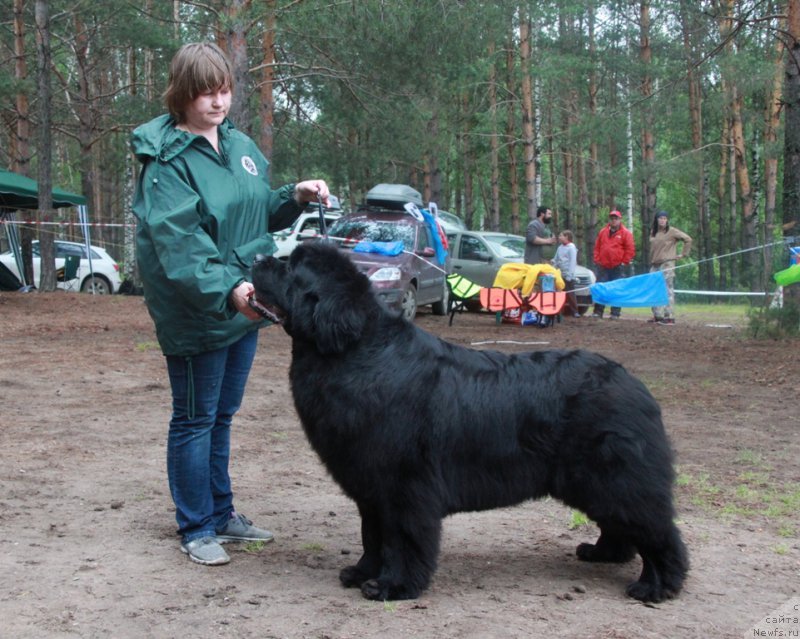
204	210
613	250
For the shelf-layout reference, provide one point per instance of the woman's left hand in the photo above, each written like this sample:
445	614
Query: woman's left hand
311	191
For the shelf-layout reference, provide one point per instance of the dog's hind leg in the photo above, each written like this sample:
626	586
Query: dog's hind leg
369	566
409	554
611	547
665	564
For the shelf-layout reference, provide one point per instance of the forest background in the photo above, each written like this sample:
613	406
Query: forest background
488	108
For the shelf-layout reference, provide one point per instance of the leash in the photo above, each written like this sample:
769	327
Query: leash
323	230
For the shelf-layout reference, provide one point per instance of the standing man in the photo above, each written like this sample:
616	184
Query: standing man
537	236
613	249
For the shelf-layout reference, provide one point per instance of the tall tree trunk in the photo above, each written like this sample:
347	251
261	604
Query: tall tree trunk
527	112
745	193
494	144
433	190
21	158
791	154
267	103
235	37
648	137
47	274
703	241
732	204
511	140
82	102
772	120
469	164
722	234
592	190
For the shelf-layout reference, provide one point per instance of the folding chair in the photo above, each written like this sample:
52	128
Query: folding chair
547	301
69	271
462	291
501	299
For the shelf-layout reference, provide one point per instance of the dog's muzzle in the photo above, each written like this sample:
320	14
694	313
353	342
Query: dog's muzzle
273	315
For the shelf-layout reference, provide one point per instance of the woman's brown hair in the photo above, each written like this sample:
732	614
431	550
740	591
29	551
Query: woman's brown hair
196	68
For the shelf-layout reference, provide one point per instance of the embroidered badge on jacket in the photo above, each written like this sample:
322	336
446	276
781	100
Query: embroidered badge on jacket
249	165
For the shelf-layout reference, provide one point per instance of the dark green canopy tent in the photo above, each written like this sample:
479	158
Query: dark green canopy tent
20	192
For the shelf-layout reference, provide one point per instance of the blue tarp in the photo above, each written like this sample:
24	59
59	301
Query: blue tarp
383	248
649	289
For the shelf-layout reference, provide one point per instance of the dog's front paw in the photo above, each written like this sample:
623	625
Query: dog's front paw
377	590
352	577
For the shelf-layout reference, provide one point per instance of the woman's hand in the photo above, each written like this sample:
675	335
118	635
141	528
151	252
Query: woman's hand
311	191
240	299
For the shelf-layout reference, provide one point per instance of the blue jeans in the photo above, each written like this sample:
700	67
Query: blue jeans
609	275
207	391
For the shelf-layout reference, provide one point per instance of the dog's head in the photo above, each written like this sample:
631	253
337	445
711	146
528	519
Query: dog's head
319	296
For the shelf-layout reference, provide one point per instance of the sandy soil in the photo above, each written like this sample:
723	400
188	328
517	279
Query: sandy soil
89	547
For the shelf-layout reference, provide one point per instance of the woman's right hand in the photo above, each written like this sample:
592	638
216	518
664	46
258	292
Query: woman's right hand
240	299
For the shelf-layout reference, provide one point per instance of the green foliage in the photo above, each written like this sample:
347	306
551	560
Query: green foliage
369	91
774	323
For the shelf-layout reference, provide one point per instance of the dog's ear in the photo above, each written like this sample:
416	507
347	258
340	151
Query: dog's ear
338	323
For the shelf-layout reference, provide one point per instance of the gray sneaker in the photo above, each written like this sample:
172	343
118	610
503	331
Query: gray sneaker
206	551
240	528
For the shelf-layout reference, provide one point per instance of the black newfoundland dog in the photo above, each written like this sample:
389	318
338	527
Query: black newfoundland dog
414	428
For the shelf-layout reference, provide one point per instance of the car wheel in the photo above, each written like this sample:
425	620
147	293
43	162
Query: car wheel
409	303
98	285
442	307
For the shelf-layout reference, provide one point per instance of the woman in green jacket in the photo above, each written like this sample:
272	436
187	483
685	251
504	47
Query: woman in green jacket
205	209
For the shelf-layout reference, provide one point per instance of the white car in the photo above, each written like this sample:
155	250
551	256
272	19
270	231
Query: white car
305	227
106	271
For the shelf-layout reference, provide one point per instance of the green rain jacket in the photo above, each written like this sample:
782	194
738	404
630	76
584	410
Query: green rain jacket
202	218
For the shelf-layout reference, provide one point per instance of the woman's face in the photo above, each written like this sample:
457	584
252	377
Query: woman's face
208	109
662	222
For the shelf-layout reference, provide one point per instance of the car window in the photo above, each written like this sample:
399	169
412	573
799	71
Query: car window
425	238
353	231
472	248
311	224
62	250
507	246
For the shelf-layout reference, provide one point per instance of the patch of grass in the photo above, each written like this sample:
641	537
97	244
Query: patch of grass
143	347
755	494
578	520
787	531
717	313
254	546
390	606
781	549
313	547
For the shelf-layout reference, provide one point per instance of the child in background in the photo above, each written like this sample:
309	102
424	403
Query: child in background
565	260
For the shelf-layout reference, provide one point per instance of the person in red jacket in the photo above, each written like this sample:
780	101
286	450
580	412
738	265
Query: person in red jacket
613	249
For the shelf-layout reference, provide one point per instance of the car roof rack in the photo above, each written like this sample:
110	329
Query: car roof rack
393	196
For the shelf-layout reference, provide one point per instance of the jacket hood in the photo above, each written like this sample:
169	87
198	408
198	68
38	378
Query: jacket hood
160	139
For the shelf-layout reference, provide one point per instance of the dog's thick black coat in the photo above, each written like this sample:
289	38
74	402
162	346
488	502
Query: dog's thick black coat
414	428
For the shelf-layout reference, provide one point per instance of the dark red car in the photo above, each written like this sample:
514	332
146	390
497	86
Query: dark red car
411	278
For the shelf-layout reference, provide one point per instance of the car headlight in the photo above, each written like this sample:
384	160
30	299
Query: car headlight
386	274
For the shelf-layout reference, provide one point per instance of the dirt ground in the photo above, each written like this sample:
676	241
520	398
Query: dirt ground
88	545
